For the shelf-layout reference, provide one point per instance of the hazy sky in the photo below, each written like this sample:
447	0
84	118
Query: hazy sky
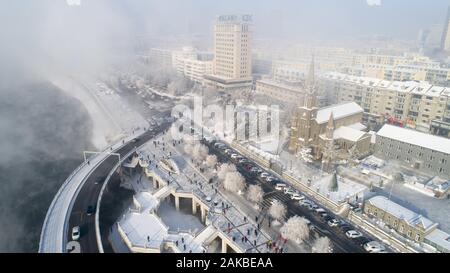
33	31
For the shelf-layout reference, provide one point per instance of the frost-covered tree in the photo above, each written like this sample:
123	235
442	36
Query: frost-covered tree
333	186
188	148
200	152
277	210
321	245
255	193
234	182
224	169
211	161
295	229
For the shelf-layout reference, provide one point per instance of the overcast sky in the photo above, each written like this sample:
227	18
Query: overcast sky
33	30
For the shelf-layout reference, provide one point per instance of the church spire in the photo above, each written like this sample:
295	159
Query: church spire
309	84
331	124
330	127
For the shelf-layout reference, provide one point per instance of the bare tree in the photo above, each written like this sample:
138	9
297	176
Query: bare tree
295	229
321	245
234	182
277	210
255	193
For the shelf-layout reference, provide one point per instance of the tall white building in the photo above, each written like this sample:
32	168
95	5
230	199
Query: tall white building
232	53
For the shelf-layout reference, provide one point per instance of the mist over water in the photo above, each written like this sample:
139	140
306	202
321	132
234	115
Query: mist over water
43	134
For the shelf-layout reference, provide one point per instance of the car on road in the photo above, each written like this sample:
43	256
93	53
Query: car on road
353	234
319	210
76	233
333	222
362	240
269	178
288	190
234	156
280	186
264	175
345	227
218	145
243	160
254	170
90	210
297	196
228	151
135	140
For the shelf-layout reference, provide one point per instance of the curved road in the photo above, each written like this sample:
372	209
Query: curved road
89	193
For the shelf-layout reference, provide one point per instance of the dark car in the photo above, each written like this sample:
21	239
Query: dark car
362	240
344	228
90	210
135	140
99	180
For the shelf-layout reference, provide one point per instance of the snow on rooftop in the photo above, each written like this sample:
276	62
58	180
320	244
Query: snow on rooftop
400	212
146	200
439	238
141	227
339	111
417	138
358	126
348	133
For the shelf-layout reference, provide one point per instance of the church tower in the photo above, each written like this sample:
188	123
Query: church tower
328	145
307	113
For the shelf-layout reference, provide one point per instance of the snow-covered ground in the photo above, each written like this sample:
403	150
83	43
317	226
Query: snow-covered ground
104	127
181	220
111	116
408	193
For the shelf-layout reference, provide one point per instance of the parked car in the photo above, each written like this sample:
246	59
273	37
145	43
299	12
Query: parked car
234	156
269	178
362	240
333	222
254	170
264	174
345	227
218	145
228	151
320	210
280	186
243	160
297	196
76	233
288	190
353	234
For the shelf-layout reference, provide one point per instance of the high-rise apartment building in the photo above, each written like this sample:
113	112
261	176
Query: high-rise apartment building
445	41
232	53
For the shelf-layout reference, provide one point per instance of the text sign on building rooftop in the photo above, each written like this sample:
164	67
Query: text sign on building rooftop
235	18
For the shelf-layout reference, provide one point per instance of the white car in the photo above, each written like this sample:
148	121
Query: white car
320	210
234	156
333	222
269	178
374	247
264	175
280	186
297	196
353	234
76	233
289	191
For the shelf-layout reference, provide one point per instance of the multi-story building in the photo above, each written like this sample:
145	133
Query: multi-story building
232	53
413	104
424	152
179	57
195	70
161	57
406	222
445	40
